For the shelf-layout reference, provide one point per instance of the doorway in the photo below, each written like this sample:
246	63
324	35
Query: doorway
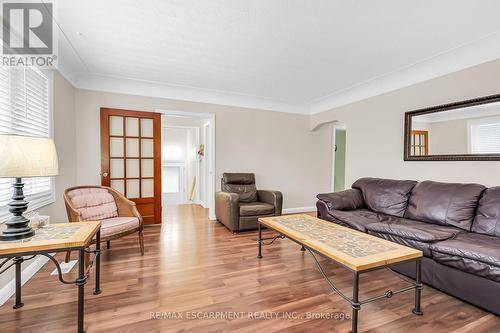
130	158
187	160
339	155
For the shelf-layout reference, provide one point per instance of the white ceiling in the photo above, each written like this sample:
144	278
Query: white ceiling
283	55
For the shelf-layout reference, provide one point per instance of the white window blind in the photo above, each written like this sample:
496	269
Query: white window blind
25	110
485	136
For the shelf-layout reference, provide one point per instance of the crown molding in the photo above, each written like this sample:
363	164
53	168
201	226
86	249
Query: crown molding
191	94
456	59
459	58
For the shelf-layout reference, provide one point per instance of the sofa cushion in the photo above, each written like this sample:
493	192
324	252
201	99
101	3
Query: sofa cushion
357	219
417	235
444	203
93	203
385	195
255	208
117	225
241	183
343	200
487	220
422	246
418	231
473	253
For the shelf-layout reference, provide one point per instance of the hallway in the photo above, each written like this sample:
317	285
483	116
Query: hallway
195	268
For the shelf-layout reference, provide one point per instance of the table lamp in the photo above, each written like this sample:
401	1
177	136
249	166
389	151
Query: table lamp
24	156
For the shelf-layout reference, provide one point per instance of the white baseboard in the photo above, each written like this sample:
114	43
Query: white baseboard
299	210
10	288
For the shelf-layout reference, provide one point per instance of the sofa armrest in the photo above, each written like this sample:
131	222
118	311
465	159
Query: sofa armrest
227	210
274	198
344	200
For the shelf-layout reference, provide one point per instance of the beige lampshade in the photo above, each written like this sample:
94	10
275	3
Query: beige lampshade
26	156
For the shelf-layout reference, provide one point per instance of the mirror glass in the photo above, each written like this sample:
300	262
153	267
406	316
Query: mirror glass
470	130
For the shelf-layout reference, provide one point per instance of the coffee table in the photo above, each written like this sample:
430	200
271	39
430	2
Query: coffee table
354	250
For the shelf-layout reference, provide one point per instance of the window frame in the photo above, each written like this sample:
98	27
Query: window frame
39	200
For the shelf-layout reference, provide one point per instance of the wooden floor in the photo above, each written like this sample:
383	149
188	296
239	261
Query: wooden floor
196	267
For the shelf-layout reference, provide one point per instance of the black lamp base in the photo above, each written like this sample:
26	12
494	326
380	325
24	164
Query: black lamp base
16	235
18	226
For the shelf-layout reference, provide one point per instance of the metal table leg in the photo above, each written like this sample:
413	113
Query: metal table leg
260	241
81	289
418	288
356	306
18	261
97	289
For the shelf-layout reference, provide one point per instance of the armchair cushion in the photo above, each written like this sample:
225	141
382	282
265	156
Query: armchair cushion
242	184
93	203
255	208
117	225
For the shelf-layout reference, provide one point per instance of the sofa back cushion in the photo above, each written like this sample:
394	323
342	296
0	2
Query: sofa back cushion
93	203
241	183
444	203
487	220
386	196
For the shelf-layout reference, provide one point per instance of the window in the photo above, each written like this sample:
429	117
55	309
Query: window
484	136
419	143
25	110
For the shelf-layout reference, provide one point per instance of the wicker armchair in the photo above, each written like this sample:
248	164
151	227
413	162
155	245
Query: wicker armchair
118	215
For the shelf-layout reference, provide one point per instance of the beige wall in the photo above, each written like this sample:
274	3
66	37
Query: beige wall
448	137
279	147
375	129
65	140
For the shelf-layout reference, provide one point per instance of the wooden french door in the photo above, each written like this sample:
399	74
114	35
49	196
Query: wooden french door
131	158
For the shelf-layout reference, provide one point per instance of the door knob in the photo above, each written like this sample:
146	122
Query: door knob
104	174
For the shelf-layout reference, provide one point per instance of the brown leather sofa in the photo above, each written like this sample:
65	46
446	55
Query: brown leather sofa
240	204
457	226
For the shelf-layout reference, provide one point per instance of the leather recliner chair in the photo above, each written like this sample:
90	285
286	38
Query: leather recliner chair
239	204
